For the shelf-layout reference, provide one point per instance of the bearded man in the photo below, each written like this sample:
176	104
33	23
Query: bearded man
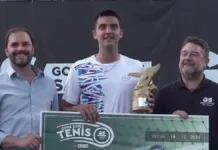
193	93
24	91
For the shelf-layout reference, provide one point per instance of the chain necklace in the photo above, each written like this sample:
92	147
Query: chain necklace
108	70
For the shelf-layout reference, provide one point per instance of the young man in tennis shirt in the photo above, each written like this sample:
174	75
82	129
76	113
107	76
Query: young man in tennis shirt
100	83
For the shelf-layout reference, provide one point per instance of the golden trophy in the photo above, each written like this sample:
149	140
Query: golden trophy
143	88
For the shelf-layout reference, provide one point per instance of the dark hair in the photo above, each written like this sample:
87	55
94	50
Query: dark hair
198	41
17	29
106	13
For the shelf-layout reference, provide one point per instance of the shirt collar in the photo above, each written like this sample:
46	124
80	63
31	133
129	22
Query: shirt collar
38	72
10	71
203	83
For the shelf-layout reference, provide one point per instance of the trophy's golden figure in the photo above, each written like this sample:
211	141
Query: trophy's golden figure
143	88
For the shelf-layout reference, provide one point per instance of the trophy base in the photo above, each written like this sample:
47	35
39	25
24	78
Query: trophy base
139	104
140	109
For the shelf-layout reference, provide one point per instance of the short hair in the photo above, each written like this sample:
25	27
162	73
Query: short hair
106	13
17	29
198	41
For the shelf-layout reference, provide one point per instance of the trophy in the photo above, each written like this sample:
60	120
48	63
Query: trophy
143	88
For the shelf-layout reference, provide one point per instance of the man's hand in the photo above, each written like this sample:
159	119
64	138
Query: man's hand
88	112
150	102
181	113
32	141
150	105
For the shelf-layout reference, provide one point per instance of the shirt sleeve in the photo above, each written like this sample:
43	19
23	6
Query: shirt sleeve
159	107
2	136
55	104
72	88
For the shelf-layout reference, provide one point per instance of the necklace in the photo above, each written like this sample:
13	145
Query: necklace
111	68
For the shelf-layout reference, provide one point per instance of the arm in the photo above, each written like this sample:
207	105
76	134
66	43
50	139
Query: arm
71	101
160	100
160	104
32	142
9	141
65	106
71	91
3	139
55	104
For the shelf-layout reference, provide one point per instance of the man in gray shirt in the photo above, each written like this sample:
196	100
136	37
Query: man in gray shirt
24	92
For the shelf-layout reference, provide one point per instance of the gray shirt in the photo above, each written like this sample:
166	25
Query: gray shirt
21	102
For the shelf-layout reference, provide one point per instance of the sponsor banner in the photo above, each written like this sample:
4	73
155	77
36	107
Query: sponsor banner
67	130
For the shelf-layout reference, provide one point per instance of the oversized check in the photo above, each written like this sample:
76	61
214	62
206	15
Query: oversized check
68	131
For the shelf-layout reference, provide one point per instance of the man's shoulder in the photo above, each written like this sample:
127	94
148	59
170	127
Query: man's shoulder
3	74
132	61
48	80
212	83
4	77
169	87
84	61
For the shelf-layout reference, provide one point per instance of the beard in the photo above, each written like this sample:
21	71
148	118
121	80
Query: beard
193	72
21	62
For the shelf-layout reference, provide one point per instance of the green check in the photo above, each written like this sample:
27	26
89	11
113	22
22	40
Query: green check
68	131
